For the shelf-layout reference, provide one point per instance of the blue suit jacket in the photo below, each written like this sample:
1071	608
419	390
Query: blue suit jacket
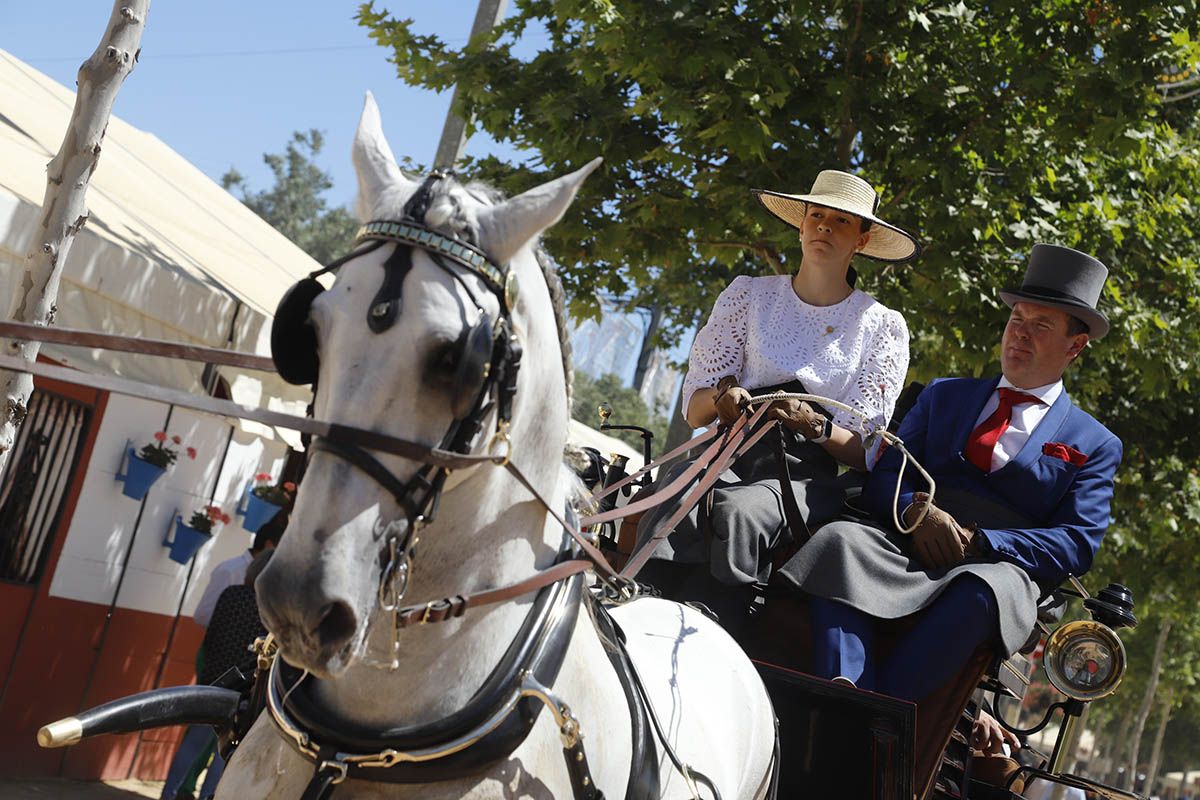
1069	505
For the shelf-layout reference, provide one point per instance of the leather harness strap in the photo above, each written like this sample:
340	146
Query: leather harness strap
690	444
451	607
707	458
736	444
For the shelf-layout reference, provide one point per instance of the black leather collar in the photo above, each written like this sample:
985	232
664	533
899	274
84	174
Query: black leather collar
540	647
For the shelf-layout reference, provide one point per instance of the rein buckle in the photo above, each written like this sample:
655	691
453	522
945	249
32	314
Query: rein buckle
425	616
338	767
501	437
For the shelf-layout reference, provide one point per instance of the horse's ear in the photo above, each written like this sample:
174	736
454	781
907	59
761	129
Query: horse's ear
374	162
509	226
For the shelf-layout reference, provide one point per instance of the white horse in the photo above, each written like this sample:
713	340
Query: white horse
321	594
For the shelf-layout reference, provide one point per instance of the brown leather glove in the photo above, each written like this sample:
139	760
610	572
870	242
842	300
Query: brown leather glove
730	401
939	541
798	416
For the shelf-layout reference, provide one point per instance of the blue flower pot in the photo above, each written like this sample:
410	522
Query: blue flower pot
139	476
257	512
187	542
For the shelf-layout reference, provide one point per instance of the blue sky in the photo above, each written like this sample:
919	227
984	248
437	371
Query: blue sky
222	82
214	85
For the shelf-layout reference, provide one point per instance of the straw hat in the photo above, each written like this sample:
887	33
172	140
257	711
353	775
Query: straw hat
850	193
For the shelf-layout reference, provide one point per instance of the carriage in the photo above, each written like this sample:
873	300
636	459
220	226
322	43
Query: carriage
538	668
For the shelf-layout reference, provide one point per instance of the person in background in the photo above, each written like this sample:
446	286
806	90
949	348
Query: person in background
199	741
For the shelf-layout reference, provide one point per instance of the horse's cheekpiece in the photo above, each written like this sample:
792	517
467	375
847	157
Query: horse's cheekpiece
487	356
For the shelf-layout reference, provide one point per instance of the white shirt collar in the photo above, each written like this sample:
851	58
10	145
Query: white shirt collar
1047	394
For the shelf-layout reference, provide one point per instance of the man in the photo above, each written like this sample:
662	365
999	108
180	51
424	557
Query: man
1024	485
232	571
199	740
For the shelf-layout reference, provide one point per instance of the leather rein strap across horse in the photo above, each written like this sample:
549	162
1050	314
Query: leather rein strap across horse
717	455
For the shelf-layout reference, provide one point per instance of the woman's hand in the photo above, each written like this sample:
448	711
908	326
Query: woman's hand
798	416
730	403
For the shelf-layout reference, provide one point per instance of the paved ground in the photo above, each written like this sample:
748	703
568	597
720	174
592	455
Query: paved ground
63	789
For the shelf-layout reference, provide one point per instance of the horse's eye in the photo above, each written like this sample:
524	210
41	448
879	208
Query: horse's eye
443	361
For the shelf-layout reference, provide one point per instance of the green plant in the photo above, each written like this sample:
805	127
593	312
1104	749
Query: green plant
278	494
161	454
203	519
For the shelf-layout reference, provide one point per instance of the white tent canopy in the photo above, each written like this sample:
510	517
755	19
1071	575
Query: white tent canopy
166	252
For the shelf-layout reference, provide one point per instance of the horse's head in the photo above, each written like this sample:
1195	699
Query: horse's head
419	337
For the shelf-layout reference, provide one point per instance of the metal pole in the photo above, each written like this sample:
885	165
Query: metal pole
454	133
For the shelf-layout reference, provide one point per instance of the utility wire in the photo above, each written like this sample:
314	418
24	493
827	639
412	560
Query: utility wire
230	54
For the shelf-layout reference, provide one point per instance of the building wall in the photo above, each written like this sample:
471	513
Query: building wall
115	616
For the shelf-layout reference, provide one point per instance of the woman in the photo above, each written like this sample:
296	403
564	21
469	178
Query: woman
811	332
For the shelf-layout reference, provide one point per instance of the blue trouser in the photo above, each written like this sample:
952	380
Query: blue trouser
194	741
947	632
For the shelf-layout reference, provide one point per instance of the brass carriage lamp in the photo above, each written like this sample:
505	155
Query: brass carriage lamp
1085	659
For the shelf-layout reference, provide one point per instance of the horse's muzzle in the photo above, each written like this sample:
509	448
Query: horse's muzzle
315	628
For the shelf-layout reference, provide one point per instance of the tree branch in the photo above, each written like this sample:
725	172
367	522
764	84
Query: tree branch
64	210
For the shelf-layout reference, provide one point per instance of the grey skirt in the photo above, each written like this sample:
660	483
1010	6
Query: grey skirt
740	523
870	569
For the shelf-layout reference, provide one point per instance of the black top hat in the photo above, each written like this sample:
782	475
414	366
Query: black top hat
1060	277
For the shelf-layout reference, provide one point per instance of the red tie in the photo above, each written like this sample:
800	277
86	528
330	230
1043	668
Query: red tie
982	440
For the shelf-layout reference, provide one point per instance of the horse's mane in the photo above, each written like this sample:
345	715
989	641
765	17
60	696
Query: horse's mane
447	215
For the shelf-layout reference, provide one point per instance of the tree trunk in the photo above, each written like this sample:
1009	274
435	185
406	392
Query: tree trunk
1156	750
643	362
1119	747
64	210
1139	722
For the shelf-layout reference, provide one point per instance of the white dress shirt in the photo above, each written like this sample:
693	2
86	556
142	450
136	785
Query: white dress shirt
224	575
1025	418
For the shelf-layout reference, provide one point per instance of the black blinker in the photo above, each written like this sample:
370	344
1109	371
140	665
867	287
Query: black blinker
293	339
474	358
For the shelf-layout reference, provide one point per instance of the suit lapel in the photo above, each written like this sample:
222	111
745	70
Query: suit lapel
1046	431
969	409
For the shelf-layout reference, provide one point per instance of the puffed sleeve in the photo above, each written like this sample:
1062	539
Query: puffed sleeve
720	346
881	374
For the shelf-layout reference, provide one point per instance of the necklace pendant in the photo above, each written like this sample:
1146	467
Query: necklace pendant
828	329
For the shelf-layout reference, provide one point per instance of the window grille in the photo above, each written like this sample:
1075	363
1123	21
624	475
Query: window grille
34	486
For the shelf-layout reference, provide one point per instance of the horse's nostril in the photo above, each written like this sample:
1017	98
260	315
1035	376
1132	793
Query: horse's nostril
337	624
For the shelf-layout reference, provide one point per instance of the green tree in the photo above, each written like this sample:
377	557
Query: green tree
988	128
627	405
294	205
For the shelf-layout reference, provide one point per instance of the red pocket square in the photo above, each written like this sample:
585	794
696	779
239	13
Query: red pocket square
1065	452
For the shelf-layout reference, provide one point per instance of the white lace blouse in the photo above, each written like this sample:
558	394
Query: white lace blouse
855	351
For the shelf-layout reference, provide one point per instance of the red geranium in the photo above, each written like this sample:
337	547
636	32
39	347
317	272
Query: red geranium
161	454
203	519
280	495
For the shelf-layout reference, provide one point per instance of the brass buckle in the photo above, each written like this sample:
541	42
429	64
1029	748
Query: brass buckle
337	766
501	437
425	616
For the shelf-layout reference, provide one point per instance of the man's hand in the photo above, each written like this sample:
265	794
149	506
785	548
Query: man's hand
939	541
731	403
798	416
989	736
